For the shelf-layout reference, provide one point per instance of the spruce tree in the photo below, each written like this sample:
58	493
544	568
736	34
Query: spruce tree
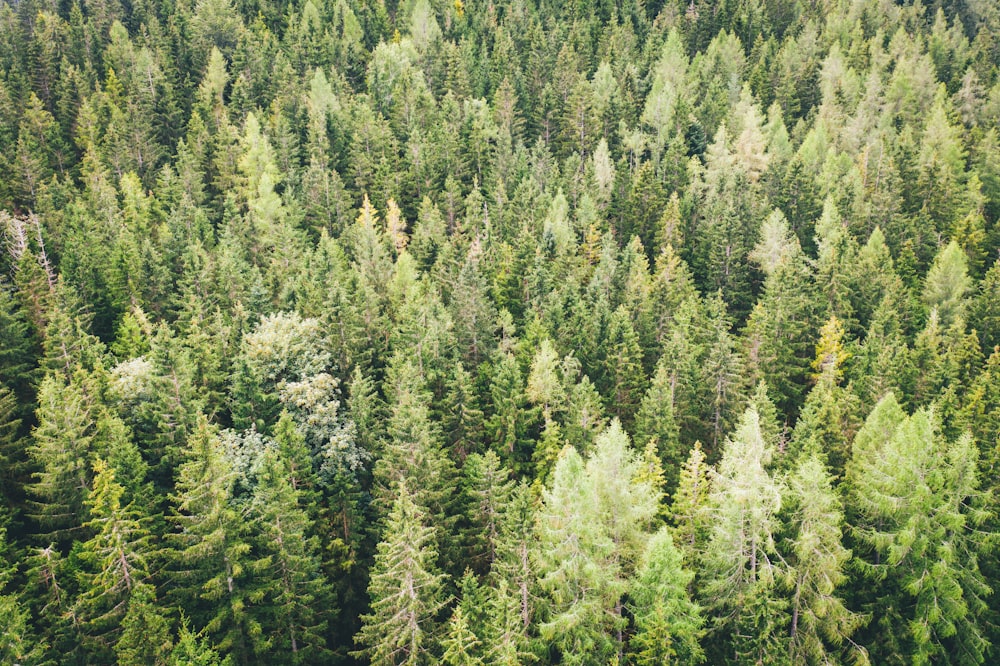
460	644
297	596
488	490
690	507
212	556
116	561
821	624
145	637
516	565
741	565
655	424
667	623
917	503
406	590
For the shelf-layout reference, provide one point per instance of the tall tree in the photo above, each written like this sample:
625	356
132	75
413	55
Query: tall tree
116	560
742	567
668	624
212	556
916	501
406	589
297	594
821	624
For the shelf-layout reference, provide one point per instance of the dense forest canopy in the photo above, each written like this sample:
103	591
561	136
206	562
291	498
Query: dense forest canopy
469	332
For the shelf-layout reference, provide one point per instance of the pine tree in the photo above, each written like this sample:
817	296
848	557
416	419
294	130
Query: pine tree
405	589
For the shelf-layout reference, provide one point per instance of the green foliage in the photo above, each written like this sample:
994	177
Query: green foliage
212	556
916	498
668	623
263	263
405	589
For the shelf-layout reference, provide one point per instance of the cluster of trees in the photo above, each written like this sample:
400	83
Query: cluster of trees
461	332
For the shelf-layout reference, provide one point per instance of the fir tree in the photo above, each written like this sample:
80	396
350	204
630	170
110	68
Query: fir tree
298	597
668	624
212	556
406	589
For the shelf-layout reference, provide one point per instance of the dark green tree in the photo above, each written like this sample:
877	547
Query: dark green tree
406	589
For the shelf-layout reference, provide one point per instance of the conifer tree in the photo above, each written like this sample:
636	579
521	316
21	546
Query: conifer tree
668	624
778	334
830	415
916	502
577	570
406	589
414	450
62	451
145	637
821	625
462	420
20	644
690	507
510	420
505	631
460	644
947	284
192	650
623	376
515	565
655	424
212	556
488	491
742	568
297	596
584	418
